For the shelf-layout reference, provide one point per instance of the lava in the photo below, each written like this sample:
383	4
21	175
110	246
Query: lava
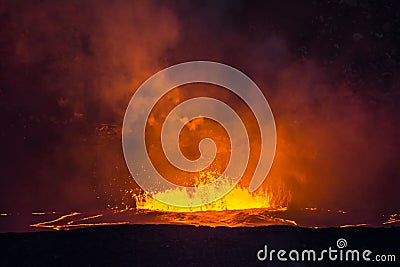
72	220
239	198
393	218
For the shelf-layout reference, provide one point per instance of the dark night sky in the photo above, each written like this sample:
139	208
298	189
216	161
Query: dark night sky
330	70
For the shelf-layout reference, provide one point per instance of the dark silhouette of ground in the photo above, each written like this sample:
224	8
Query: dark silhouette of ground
173	245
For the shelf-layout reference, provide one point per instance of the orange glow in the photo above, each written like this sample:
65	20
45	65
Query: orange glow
43	213
228	218
353	225
312	209
393	218
68	221
239	198
270	196
198	129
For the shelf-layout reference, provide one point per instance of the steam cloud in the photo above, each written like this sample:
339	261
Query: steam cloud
70	67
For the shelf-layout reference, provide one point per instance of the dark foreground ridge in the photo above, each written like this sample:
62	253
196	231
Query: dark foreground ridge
173	245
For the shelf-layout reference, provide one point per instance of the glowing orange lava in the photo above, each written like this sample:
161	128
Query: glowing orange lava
238	198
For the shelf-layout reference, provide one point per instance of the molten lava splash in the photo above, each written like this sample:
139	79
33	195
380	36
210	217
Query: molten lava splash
239	198
238	208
